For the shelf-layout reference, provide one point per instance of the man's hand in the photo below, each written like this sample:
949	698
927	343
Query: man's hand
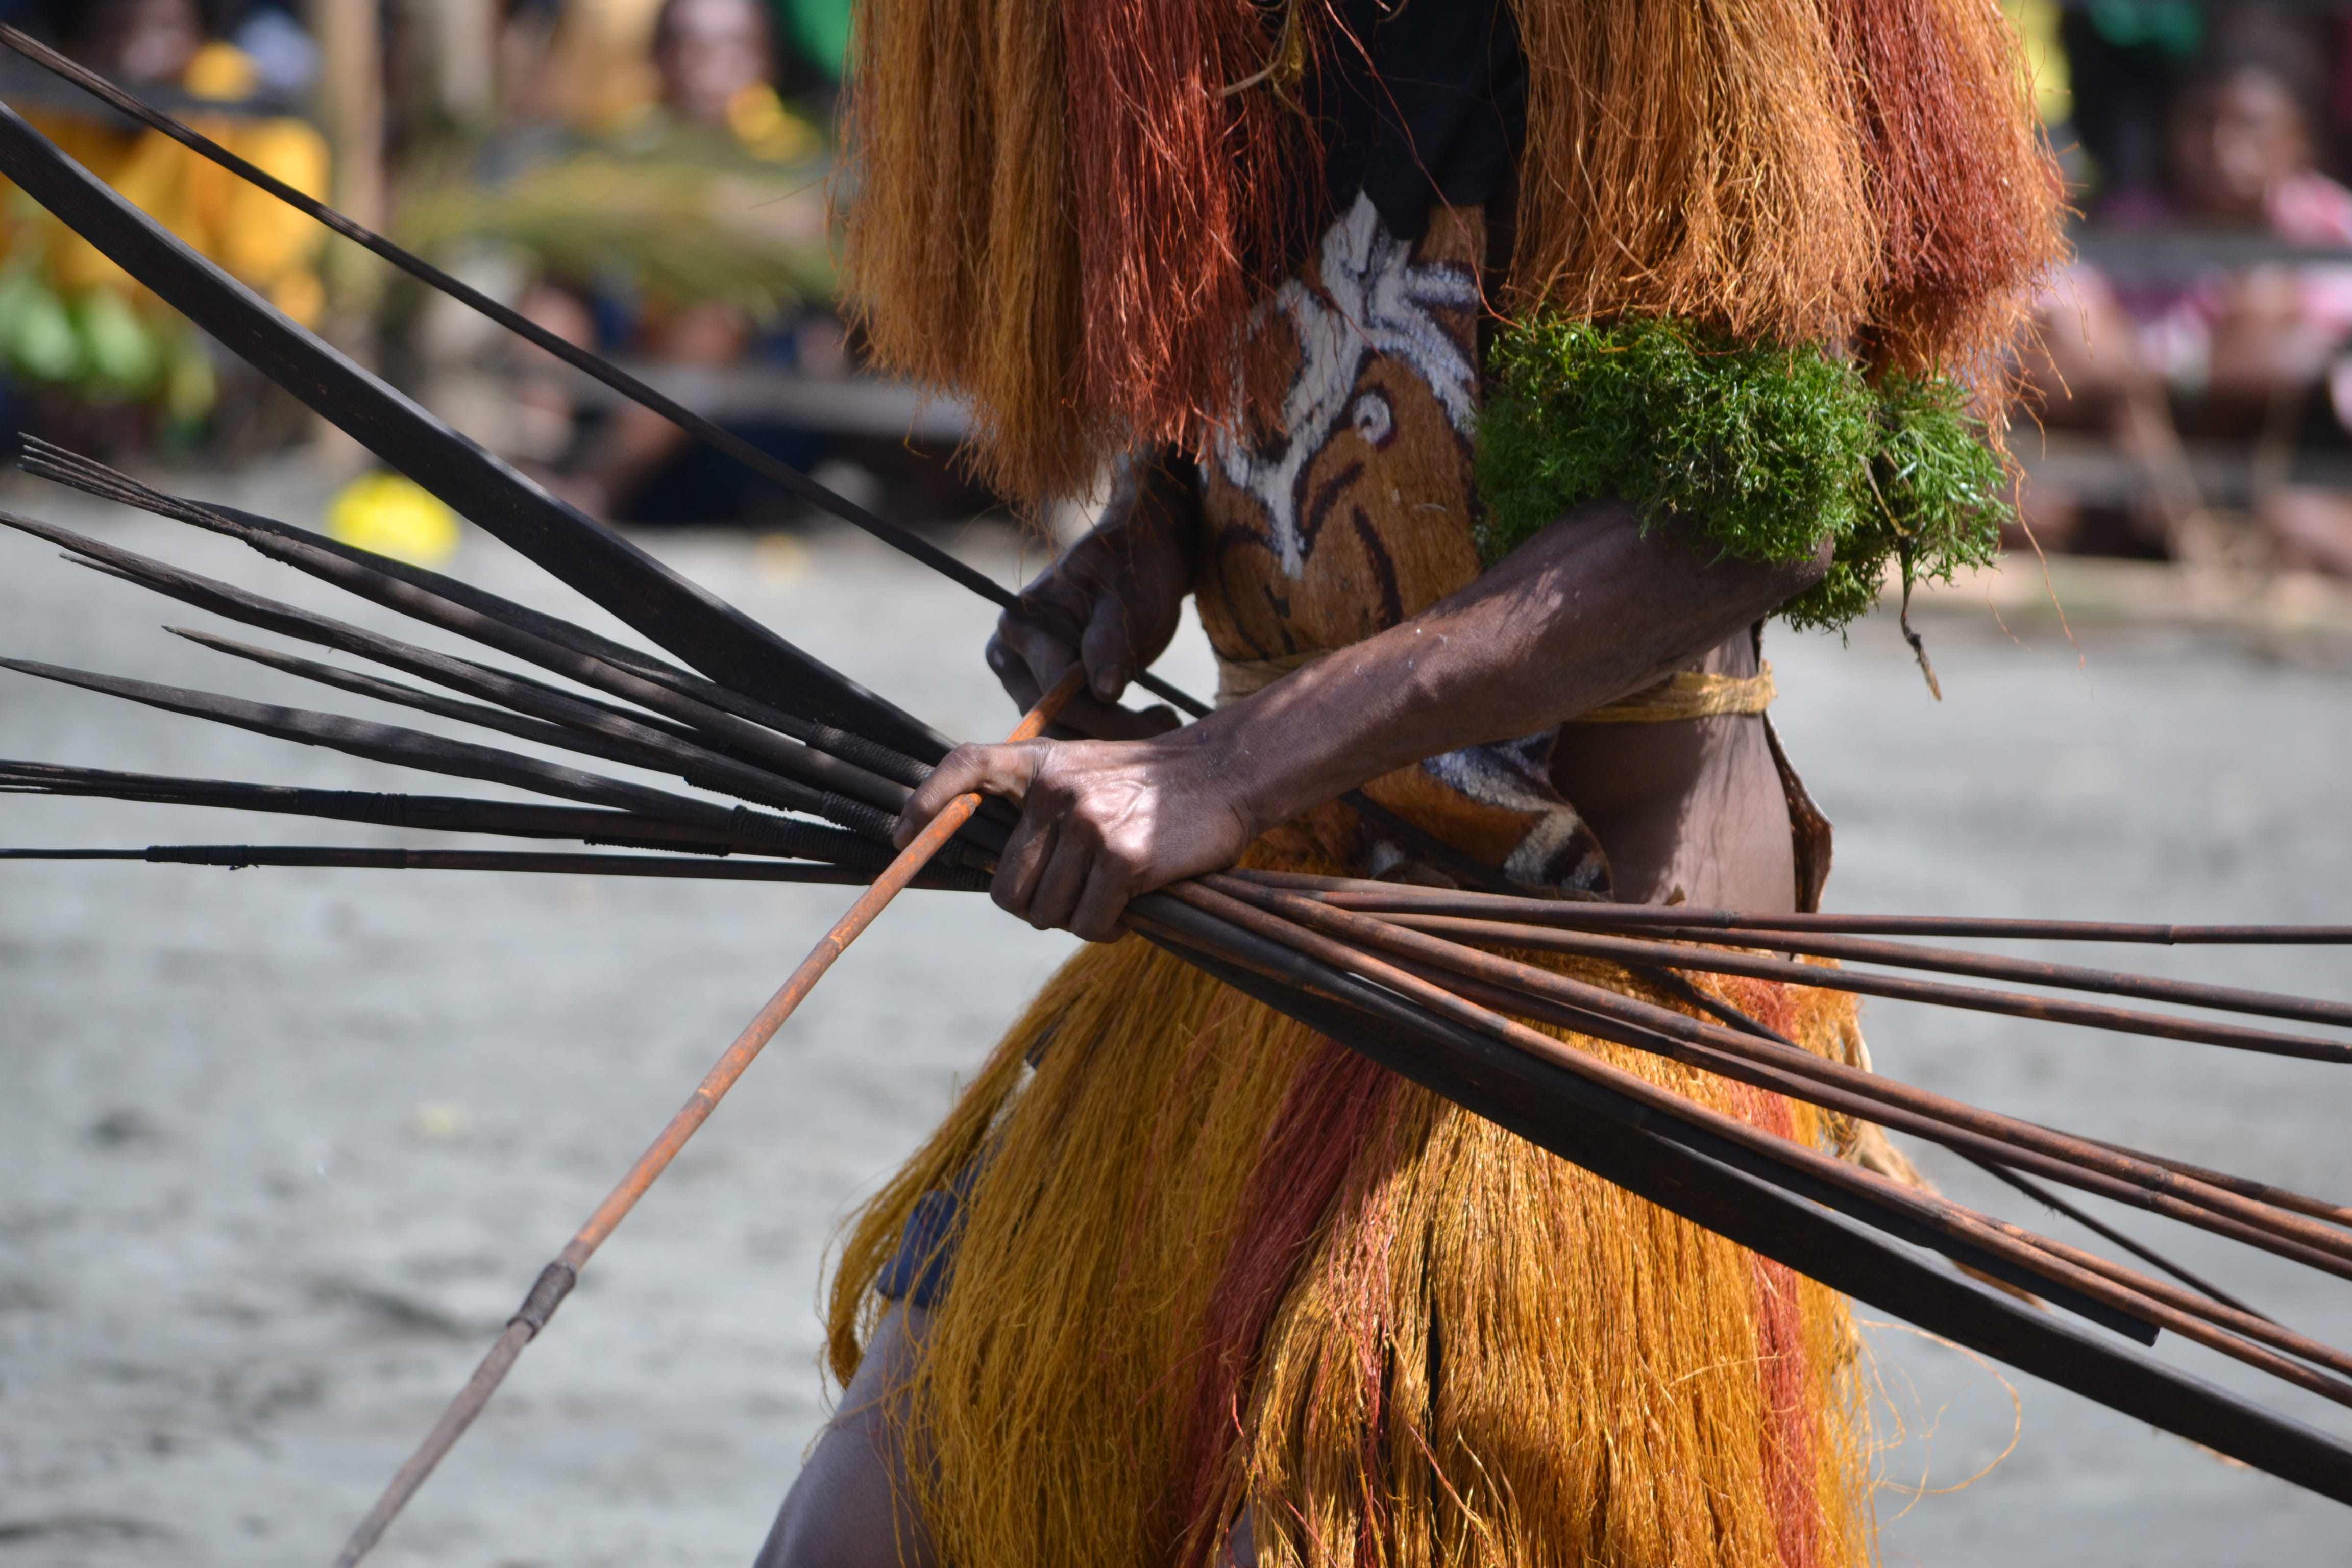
1112	602
1101	822
1594	607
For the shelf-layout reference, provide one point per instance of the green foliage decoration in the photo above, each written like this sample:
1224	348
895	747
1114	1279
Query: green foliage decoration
1764	449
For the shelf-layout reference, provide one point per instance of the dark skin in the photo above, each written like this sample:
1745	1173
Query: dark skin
1590	610
1587	611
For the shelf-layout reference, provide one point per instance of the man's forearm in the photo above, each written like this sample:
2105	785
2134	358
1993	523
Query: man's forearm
1584	614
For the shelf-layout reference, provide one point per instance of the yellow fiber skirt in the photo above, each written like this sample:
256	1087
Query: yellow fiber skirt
1210	1265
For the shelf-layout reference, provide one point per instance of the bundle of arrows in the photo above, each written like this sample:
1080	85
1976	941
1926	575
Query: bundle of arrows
797	773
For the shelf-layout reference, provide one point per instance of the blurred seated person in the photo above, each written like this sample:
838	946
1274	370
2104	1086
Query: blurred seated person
2232	355
103	363
714	60
259	239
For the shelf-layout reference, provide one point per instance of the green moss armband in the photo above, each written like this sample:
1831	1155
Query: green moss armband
1765	451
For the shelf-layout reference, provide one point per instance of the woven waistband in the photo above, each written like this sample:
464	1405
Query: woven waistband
1686	694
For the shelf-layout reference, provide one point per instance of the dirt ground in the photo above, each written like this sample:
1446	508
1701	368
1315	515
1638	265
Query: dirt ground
279	1150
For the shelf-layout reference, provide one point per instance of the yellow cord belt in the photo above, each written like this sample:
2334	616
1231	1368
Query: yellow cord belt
1685	694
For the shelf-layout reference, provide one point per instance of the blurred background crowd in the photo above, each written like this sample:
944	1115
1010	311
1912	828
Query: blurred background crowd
2191	373
646	177
650	177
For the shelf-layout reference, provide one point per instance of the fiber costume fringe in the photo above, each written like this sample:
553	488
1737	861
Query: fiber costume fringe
1190	1267
1066	209
1208	1259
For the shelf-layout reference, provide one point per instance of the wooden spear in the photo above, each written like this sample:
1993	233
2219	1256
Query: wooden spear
1995	966
555	1281
2048	1151
2046	1009
813	774
744	832
44	460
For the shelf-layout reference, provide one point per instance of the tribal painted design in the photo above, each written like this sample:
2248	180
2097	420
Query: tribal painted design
1371	302
1340	499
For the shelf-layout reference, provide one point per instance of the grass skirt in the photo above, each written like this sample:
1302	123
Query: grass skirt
1210	1263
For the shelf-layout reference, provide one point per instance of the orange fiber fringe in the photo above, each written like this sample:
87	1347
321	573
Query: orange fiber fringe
961	246
1695	158
1216	1267
1060	212
1186	194
1064	210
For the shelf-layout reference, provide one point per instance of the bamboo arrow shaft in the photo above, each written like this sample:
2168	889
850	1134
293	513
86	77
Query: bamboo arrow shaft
1395	897
1904	988
555	1281
677	867
745	831
2074	1159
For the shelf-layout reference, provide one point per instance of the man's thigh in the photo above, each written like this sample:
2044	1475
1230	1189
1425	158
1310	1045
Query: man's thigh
850	1505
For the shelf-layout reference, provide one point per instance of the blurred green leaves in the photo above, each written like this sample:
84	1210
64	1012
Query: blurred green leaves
100	348
680	222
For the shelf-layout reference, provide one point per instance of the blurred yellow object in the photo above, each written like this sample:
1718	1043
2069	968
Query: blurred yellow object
258	239
779	558
395	516
222	72
438	1121
770	132
2037	22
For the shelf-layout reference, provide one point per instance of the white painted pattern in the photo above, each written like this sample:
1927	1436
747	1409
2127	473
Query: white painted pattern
1373	300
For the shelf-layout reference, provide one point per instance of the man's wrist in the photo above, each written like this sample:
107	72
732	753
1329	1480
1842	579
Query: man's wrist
1157	507
1243	762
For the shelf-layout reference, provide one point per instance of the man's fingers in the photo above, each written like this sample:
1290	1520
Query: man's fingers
1061	880
1086	714
1103	906
993	770
1090	717
1012	673
1046	650
1024	858
1108	649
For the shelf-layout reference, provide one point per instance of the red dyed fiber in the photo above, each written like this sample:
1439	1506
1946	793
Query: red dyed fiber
1332	1111
1968	197
1181	193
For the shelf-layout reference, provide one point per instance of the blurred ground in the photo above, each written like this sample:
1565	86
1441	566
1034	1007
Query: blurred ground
281	1149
